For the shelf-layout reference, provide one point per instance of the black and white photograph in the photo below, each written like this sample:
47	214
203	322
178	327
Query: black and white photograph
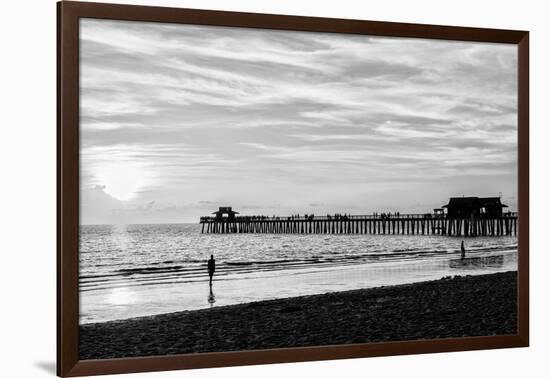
251	189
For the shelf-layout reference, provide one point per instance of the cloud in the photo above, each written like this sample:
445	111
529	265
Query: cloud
180	118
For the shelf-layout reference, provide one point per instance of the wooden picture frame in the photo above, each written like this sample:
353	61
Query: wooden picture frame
69	14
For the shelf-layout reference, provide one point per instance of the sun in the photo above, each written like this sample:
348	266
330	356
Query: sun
122	180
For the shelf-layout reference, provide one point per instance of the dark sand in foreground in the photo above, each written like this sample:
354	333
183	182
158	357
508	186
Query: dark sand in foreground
463	306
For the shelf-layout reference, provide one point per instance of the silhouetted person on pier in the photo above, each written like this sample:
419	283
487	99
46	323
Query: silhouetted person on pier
211	268
462	251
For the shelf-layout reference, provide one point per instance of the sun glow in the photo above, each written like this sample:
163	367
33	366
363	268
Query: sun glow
122	180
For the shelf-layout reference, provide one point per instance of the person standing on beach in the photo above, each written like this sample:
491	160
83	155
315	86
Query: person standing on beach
211	268
462	251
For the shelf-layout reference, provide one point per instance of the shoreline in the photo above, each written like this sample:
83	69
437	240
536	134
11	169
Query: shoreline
450	307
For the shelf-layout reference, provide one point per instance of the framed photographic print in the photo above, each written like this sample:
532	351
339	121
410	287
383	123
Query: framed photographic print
240	188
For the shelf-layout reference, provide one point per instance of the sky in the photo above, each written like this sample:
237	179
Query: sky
177	120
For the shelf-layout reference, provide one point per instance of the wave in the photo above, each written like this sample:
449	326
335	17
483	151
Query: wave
163	272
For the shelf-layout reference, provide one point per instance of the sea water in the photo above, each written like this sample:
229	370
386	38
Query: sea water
141	270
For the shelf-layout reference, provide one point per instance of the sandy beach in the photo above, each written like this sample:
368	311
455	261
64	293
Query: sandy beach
451	307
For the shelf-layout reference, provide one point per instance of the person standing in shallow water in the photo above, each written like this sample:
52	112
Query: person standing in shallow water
211	268
462	251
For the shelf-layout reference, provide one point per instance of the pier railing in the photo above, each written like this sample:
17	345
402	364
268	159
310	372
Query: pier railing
383	223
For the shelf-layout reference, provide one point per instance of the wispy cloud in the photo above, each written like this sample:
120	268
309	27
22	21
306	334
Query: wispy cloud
186	117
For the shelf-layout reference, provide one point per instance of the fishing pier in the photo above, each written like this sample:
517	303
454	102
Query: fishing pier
384	224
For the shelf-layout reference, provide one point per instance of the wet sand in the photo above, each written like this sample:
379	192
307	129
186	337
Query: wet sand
462	306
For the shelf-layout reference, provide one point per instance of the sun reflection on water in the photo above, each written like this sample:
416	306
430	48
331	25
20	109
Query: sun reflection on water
121	296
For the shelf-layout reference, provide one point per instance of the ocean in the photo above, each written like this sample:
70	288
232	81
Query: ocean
141	270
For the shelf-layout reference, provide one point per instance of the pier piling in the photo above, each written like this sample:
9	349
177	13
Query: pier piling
403	224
